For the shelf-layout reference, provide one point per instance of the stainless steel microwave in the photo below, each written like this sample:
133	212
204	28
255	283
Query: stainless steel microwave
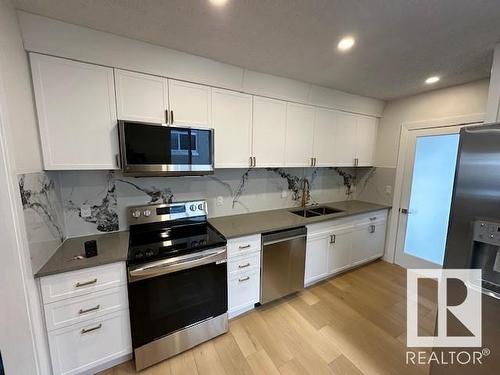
159	150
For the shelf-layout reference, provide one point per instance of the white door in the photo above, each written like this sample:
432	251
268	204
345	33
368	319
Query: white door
190	104
317	249
339	257
429	171
269	130
324	137
76	110
232	122
345	140
299	135
141	97
366	138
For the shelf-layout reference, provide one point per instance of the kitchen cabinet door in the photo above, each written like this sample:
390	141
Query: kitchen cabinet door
339	255
269	130
76	110
366	138
232	122
141	97
325	132
299	135
344	142
368	243
190	104
317	249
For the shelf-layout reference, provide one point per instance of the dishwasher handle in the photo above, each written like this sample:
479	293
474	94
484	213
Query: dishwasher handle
283	235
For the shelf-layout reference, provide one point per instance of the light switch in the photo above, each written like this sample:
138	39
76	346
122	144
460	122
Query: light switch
388	189
219	201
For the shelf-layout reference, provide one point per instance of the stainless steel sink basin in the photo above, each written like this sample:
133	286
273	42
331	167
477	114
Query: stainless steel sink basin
315	211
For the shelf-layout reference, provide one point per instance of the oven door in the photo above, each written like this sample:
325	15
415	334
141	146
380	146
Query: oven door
154	149
173	294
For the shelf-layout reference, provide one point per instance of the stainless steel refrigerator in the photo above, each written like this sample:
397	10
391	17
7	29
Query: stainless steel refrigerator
474	238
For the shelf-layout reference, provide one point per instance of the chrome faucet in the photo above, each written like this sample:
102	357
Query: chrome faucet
306	194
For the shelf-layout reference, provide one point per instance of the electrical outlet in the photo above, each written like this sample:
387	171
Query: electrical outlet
388	189
85	210
284	194
220	201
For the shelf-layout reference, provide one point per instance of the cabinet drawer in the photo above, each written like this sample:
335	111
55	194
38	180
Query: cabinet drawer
243	263
77	283
81	347
243	245
90	306
244	289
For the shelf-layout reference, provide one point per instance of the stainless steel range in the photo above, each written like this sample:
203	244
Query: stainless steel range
177	280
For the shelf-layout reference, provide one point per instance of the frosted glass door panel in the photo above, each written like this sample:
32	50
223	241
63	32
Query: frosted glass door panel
430	199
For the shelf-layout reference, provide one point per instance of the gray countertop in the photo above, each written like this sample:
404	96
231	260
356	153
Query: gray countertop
113	247
266	221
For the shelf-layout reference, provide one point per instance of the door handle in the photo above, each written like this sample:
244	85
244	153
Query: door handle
405	211
82	311
87	330
78	285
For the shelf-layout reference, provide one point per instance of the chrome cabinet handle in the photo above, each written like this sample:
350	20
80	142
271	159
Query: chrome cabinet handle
251	161
81	311
356	162
241	279
244	265
314	162
167	119
254	161
87	330
333	238
372	228
241	247
78	285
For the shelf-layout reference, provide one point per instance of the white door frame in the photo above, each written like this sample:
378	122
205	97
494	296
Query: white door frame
392	234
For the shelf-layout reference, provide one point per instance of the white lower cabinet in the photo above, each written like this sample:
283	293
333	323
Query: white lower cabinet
82	347
316	258
338	245
87	319
243	274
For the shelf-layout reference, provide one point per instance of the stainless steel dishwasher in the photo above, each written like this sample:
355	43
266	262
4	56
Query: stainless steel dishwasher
283	263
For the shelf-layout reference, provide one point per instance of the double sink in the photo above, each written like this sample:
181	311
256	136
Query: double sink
315	211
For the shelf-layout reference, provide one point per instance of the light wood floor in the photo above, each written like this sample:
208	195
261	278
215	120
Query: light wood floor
354	323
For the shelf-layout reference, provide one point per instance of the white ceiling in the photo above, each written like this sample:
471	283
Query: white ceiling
399	43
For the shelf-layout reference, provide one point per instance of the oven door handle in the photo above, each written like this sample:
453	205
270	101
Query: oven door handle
170	265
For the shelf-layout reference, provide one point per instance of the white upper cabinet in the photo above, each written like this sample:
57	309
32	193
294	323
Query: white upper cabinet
76	112
232	122
269	131
299	135
141	97
190	104
366	138
344	142
325	130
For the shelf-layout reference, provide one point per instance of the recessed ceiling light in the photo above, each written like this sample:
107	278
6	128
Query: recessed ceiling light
218	3
432	80
346	43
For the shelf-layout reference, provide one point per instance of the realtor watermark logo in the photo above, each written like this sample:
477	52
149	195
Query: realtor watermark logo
468	312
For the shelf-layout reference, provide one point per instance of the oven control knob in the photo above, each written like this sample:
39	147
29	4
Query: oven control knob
136	214
147	213
200	207
192	207
139	254
149	252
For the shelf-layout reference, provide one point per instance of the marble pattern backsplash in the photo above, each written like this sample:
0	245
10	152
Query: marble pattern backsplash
43	214
106	195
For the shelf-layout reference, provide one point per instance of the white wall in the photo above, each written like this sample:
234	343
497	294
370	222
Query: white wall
22	336
52	37
20	109
493	107
465	99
